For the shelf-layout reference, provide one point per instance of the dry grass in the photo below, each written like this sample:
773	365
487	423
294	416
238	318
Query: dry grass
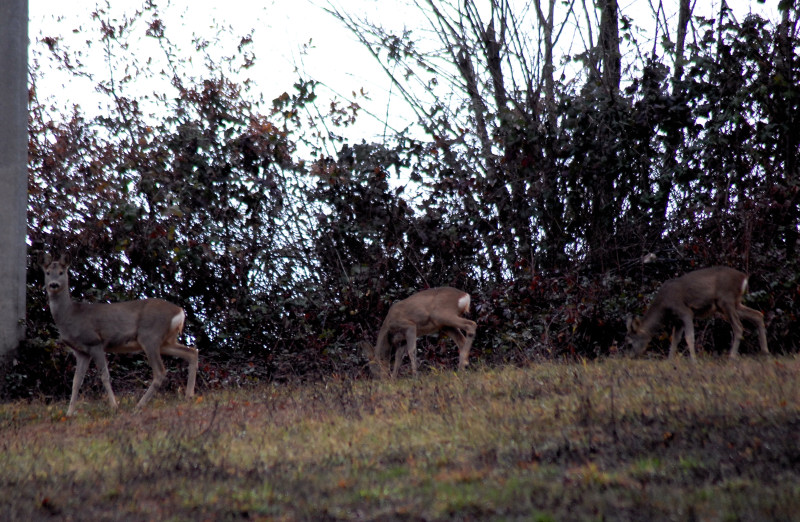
616	439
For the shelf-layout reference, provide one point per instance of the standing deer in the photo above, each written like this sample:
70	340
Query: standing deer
700	293
426	312
91	330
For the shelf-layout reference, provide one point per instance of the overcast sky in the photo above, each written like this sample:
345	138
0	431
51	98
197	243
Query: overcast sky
282	28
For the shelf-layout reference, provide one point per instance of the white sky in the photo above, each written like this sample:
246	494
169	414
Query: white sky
281	28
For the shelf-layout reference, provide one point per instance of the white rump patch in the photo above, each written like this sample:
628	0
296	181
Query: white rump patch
177	321
463	303
744	286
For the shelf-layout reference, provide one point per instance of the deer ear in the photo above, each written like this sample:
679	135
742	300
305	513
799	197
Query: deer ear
66	260
633	324
44	260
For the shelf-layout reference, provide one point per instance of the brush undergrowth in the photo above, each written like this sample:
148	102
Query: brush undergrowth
613	439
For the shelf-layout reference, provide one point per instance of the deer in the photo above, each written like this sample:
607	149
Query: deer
426	312
91	330
700	293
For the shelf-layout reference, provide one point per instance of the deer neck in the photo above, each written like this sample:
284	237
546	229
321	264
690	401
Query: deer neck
653	318
61	304
382	346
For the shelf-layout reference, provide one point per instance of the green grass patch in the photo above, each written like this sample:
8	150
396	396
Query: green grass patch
617	438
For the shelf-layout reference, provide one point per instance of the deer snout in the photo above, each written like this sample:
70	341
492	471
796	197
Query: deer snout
54	286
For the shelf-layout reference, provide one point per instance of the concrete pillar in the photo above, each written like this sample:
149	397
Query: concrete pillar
13	170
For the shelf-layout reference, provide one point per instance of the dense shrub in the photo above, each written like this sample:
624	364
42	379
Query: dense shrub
285	256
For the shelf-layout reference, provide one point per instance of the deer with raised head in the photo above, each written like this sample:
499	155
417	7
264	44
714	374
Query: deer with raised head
90	330
426	312
700	293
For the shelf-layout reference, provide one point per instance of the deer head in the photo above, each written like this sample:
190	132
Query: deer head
57	277
697	294
426	312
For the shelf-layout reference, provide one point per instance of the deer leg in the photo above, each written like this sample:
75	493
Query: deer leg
677	333
81	365
192	377
456	335
738	331
469	327
99	356
176	349
756	317
688	327
452	327
411	347
463	343
395	348
159	372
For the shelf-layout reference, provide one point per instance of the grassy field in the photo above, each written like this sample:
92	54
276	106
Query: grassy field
616	439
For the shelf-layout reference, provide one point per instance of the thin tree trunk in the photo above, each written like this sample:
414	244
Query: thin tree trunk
785	65
609	45
600	230
674	135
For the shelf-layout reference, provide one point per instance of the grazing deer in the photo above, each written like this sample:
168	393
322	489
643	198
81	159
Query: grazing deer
426	312
91	330
700	293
